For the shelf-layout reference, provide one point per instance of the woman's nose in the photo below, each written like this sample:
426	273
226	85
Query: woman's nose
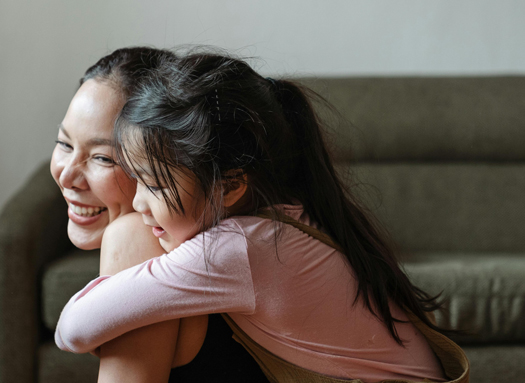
73	175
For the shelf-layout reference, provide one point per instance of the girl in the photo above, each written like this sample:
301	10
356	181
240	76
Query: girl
222	155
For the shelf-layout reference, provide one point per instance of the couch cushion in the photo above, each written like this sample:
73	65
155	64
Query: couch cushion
488	364
485	293
496	363
57	366
63	278
428	119
446	207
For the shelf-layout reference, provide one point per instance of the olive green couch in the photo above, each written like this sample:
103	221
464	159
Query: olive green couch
440	160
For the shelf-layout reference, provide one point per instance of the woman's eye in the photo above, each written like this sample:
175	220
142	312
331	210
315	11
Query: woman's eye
64	145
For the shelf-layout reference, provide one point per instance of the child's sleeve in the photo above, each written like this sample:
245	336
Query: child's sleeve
207	274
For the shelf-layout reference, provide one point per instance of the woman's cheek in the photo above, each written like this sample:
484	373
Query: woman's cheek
56	166
116	193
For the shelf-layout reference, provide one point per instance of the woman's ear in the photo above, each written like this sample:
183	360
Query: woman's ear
235	184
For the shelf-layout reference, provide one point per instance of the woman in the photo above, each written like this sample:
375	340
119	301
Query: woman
98	193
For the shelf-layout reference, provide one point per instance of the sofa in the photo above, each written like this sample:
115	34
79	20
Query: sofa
441	162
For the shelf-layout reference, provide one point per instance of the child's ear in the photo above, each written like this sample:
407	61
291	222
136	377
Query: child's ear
234	186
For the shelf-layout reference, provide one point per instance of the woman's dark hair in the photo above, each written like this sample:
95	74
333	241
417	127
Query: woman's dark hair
124	68
214	115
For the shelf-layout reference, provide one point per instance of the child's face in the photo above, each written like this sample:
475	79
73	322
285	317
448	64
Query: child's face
174	229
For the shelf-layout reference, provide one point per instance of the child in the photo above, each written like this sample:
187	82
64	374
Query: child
213	145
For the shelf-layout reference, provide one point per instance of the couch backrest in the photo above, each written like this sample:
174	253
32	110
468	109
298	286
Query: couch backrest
440	160
428	119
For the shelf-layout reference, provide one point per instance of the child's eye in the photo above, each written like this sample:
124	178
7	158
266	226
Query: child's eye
153	189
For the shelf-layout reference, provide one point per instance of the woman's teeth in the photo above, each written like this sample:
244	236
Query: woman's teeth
86	211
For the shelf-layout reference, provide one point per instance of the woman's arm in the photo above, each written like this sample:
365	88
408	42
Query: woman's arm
148	353
141	356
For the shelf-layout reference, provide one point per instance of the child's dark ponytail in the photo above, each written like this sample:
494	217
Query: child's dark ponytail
329	203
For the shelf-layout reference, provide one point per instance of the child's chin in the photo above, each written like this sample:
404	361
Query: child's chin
168	246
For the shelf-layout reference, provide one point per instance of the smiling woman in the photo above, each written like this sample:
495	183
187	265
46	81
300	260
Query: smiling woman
96	190
99	193
99	196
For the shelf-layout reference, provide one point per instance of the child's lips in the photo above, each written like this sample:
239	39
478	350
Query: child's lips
158	231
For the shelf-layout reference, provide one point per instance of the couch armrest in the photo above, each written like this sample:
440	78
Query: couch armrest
33	228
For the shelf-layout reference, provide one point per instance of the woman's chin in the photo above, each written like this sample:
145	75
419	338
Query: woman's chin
85	238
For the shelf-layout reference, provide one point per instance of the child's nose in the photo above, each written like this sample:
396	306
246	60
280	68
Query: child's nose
139	203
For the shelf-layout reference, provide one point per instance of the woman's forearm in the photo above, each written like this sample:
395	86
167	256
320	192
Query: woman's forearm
144	355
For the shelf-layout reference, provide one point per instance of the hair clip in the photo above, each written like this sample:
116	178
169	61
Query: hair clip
272	82
217	102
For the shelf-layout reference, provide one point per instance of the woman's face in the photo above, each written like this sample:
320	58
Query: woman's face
96	190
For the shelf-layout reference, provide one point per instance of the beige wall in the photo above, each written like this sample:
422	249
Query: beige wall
47	44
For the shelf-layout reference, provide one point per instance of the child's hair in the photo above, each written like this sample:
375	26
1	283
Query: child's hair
214	115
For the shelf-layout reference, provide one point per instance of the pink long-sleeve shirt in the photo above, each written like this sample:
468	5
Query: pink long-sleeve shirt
292	295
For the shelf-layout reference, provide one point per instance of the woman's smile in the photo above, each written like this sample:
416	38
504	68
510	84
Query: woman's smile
86	210
85	215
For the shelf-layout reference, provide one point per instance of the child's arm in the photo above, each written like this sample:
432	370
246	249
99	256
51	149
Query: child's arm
177	285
